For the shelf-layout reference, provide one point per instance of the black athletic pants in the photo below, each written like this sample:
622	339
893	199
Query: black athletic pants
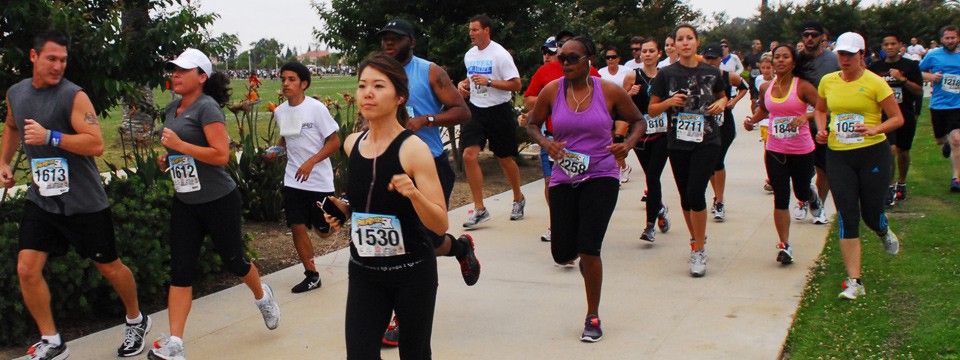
653	158
692	170
858	180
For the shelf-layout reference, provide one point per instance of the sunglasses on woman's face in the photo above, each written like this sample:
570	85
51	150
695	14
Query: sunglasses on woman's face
571	59
611	57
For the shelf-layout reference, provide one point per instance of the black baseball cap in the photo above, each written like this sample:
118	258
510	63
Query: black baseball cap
814	25
564	33
399	27
712	50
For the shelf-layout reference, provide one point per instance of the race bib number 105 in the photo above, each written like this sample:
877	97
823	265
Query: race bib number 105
845	128
51	175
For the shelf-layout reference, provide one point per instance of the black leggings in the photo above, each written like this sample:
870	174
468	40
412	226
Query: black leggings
579	215
653	158
859	180
370	302
781	168
728	132
692	170
189	223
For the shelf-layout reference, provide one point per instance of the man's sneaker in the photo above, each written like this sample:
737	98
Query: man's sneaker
476	217
800	211
269	308
546	236
821	215
311	281
891	198
945	151
392	336
625	174
767	187
784	254
166	349
44	350
852	290
469	265
890	242
901	192
517	212
698	262
591	329
133	337
649	233
954	185
644	198
662	220
719	213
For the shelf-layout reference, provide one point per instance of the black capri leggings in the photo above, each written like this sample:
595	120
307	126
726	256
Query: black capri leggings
579	215
728	132
189	223
691	171
781	168
859	180
653	158
370	302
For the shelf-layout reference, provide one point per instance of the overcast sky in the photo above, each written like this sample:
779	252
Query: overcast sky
292	21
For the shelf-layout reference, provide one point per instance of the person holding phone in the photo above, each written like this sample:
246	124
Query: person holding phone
396	209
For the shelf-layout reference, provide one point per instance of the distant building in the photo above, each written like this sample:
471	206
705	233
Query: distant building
312	56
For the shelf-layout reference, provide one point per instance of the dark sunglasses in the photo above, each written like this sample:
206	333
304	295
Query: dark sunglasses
723	45
611	57
548	52
570	59
634	49
811	34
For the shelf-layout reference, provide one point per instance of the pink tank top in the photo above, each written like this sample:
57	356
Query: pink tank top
781	139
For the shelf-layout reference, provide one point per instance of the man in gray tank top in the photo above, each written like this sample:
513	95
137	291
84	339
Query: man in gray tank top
66	204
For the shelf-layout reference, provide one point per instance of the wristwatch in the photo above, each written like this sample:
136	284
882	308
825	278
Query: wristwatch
489	82
431	120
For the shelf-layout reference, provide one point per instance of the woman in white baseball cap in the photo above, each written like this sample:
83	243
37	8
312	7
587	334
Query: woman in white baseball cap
858	157
206	201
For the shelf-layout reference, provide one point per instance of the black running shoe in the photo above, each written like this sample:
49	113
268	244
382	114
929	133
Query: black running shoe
311	281
133	337
391	337
469	265
891	198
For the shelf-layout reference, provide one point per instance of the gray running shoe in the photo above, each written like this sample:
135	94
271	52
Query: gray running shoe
476	217
269	308
649	233
591	329
517	212
784	254
44	350
662	220
391	337
890	242
133	337
852	290
164	349
698	263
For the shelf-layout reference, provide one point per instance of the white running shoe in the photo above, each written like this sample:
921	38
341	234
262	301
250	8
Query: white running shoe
476	217
800	211
891	243
546	236
625	174
852	290
269	308
166	349
821	217
698	262
517	212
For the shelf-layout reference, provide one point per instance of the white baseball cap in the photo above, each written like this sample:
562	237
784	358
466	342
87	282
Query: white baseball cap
192	58
850	42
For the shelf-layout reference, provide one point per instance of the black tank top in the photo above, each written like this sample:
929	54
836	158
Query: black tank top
385	202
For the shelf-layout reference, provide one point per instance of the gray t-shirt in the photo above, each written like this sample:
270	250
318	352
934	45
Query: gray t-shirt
214	181
72	182
821	65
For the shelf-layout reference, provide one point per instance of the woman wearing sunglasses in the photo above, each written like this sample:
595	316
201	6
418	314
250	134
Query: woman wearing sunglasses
584	185
692	95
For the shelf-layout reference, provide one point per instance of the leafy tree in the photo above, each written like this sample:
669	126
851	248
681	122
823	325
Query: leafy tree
227	46
109	59
266	52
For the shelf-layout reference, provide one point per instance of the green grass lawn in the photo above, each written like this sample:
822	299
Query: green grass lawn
911	307
331	86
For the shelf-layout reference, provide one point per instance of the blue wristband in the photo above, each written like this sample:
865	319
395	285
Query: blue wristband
55	138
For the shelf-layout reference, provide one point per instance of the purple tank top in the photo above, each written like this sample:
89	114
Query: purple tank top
586	132
795	142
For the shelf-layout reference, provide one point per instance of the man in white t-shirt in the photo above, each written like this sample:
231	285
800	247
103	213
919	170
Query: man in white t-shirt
635	62
492	77
308	137
916	49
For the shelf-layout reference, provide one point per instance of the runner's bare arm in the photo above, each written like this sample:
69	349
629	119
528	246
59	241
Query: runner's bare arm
88	141
8	146
427	194
217	154
455	111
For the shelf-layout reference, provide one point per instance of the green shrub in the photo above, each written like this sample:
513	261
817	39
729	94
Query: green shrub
260	181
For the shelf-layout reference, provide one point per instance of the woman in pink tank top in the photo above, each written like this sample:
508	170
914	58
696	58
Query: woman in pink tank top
585	181
789	149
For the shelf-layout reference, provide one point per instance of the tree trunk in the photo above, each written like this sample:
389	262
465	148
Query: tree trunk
138	112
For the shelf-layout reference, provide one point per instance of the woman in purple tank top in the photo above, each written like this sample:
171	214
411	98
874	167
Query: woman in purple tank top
585	181
789	148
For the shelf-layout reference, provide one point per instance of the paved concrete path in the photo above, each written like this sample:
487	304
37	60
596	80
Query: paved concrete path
524	307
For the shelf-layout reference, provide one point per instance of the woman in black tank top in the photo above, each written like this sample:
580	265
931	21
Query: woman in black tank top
395	200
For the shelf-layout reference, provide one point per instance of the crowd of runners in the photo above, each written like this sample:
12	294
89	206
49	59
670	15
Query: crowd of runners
830	122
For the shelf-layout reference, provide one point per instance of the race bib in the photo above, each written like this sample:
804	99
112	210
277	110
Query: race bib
376	235
51	176
780	128
898	94
844	127
951	83
574	163
658	124
183	171
690	127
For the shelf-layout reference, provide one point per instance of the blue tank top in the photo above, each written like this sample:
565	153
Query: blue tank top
586	132
422	102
